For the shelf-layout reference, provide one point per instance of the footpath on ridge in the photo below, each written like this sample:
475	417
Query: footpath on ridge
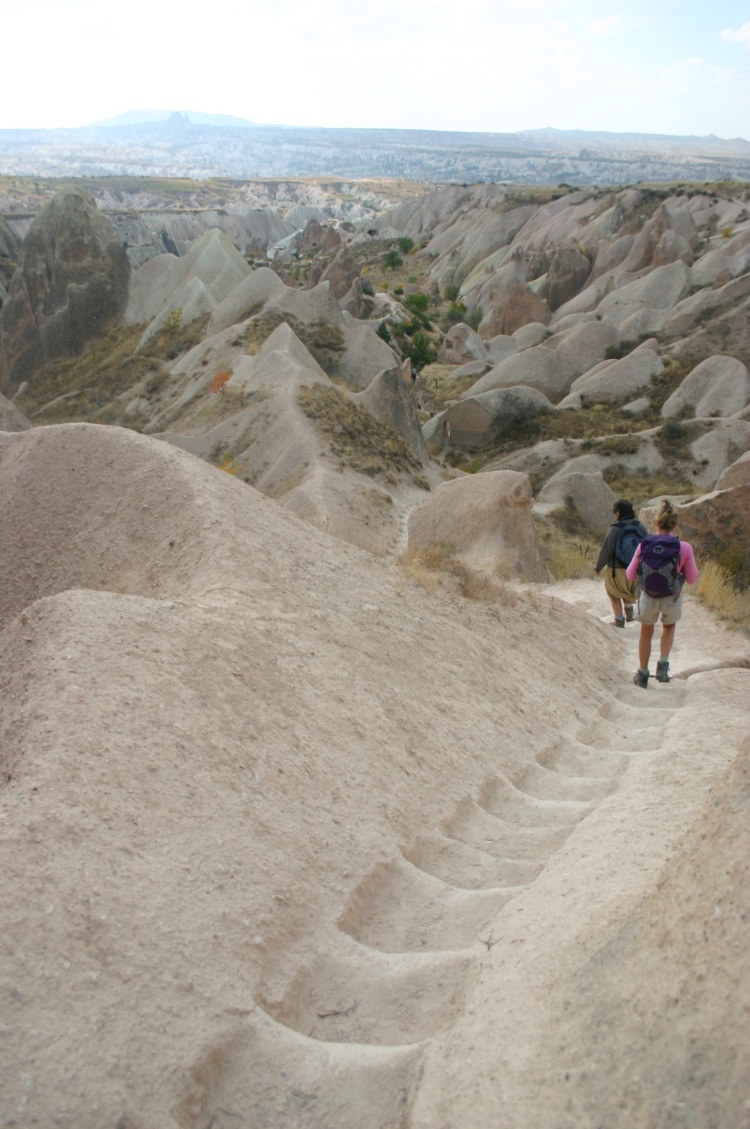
565	949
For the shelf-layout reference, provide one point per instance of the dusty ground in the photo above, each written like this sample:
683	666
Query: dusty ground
287	841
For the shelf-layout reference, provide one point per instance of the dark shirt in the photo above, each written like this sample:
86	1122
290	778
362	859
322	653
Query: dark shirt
607	551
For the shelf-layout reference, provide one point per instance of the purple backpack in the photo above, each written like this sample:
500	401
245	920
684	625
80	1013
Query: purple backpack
659	566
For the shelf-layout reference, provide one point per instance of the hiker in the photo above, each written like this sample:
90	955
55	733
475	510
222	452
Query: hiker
616	553
662	564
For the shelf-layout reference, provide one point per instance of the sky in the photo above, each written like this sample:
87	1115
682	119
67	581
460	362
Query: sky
651	66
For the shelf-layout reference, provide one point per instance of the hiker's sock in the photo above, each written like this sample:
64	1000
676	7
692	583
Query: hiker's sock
642	670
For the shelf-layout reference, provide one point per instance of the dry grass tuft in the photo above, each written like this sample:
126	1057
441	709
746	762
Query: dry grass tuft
568	555
431	568
719	592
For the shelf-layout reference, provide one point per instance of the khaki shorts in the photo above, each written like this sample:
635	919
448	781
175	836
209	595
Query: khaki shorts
649	609
618	587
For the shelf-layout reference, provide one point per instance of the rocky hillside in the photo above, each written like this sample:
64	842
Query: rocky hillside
299	829
595	342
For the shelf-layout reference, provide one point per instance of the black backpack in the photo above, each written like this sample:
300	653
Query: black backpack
628	539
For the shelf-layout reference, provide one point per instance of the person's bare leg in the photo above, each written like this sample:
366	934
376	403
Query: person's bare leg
616	607
644	644
667	639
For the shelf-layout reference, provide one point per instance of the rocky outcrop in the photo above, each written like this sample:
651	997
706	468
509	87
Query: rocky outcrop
738	474
312	238
616	379
718	386
486	520
389	399
478	419
71	283
10	417
568	270
194	284
538	367
589	494
462	344
518	306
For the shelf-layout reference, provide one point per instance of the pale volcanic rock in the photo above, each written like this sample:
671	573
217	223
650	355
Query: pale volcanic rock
718	386
478	418
568	270
11	419
262	286
513	309
487	519
738	474
212	260
588	493
538	367
462	344
615	380
659	290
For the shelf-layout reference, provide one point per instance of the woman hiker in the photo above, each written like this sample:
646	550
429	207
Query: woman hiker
616	553
662	564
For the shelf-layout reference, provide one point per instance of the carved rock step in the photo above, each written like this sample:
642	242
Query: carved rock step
468	868
355	994
398	908
269	1077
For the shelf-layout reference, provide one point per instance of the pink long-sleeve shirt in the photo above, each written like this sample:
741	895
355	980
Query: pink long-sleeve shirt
688	567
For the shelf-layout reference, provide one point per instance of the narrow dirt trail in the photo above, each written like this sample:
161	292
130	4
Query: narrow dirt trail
443	996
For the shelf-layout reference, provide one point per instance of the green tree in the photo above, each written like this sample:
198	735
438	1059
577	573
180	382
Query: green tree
384	332
421	351
405	244
392	261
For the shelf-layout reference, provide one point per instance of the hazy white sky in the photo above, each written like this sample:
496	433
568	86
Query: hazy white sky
649	66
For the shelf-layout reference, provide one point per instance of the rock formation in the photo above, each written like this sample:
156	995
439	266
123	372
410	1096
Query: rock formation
71	283
484	520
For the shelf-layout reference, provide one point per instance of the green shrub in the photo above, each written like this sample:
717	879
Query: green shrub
392	260
417	302
405	244
421	350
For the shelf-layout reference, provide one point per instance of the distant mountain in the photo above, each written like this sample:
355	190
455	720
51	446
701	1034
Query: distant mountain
206	146
139	117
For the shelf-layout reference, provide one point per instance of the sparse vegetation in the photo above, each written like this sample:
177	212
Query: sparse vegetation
719	591
219	381
433	567
356	438
568	556
322	340
640	486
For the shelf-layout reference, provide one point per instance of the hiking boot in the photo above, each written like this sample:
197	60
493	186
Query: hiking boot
662	671
629	613
618	622
641	680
